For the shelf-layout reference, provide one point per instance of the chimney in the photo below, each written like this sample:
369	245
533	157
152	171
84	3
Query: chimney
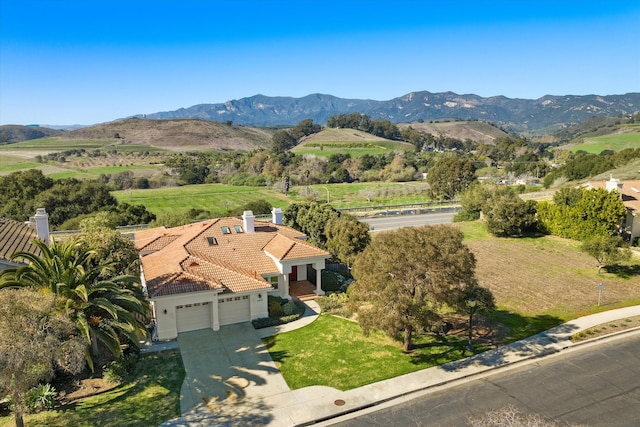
42	224
276	216
248	221
613	184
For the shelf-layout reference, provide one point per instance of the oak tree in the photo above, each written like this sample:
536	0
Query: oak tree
449	176
405	277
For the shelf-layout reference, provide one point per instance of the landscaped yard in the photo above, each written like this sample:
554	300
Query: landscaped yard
538	283
332	351
150	397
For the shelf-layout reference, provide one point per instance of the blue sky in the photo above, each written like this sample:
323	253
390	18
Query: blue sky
92	61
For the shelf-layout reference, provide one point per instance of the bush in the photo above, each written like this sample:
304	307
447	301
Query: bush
289	308
334	282
275	309
332	301
41	397
117	370
289	312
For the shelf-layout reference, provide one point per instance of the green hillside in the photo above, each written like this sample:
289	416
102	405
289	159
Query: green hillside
348	141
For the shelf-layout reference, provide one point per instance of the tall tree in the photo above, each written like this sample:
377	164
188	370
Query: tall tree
449	176
346	237
34	342
405	276
102	309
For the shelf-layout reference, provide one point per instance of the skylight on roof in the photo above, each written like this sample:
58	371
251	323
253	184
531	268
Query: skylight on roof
225	229
212	241
238	228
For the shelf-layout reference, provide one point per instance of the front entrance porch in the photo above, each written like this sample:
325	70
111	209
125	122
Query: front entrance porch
302	289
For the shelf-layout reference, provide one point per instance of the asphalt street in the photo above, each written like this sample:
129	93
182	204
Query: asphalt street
594	385
391	222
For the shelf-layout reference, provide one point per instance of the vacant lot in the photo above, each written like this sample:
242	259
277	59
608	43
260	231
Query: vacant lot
549	276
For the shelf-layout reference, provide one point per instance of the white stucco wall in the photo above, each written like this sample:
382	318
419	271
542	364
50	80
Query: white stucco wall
166	324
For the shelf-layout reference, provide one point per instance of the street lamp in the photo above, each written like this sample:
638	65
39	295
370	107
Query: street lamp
472	305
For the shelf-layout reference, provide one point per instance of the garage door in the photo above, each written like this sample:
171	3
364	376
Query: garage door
190	317
234	310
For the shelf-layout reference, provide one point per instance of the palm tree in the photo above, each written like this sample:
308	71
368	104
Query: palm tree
103	310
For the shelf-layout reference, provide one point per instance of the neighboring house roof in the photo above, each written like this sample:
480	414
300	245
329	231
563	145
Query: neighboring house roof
630	192
16	237
218	254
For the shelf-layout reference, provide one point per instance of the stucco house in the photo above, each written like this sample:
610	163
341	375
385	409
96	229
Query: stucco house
18	236
220	271
630	193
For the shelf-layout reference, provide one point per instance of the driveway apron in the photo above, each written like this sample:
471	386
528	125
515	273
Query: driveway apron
227	368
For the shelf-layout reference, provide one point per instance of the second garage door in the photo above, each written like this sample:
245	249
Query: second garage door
234	310
190	317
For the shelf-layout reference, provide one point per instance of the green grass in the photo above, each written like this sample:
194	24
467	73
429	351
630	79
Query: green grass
150	397
217	198
221	198
333	352
615	142
8	168
355	149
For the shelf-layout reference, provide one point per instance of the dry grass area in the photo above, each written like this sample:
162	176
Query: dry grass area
179	135
473	130
550	276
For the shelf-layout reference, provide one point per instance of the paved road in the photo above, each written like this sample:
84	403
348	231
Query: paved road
592	386
390	222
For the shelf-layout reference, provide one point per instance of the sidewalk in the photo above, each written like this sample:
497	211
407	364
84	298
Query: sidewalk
315	404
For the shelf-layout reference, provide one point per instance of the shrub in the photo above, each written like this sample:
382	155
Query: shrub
41	397
334	282
332	301
289	308
116	370
275	309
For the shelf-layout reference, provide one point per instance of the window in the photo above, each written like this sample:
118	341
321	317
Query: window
238	228
225	230
245	297
273	281
212	241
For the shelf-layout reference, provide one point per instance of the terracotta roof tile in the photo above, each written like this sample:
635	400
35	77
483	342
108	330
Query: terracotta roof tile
16	237
229	260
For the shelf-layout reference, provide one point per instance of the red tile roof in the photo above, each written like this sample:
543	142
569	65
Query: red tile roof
16	237
231	262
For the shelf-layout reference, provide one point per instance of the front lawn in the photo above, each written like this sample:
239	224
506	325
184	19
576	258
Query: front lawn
149	397
333	352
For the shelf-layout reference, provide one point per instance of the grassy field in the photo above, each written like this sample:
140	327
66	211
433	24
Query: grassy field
217	198
348	141
221	198
615	142
150	397
354	149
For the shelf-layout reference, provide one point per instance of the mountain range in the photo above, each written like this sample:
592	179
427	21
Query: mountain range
542	115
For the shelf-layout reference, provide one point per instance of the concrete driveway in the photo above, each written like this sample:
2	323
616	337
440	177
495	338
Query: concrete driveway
229	374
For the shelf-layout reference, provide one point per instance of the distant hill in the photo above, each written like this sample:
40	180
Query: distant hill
17	133
181	135
534	116
462	130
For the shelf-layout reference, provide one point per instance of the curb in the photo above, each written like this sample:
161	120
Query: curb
485	372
